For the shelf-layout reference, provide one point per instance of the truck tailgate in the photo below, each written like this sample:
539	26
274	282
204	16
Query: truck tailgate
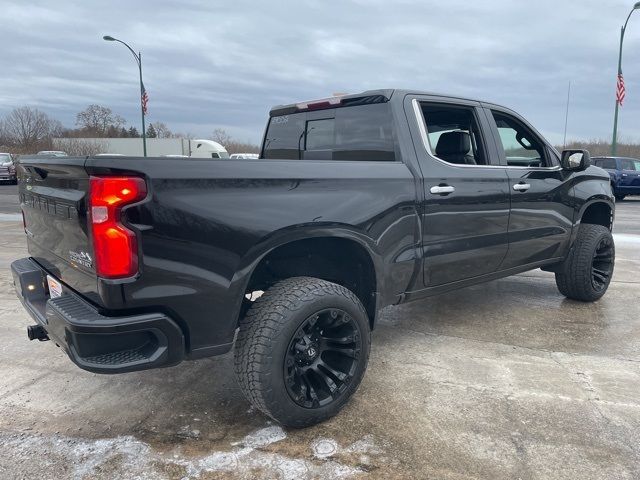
53	195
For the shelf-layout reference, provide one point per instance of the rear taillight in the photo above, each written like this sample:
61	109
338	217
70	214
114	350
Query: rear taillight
115	247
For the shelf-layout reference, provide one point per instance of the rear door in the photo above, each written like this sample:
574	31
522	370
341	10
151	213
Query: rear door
53	198
541	209
466	206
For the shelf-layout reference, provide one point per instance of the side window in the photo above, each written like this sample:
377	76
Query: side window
453	134
607	163
521	147
629	164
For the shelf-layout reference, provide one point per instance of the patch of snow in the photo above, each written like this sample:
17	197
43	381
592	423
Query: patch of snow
324	447
125	457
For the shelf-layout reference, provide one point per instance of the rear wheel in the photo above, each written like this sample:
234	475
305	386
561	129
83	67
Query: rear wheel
586	273
302	350
619	198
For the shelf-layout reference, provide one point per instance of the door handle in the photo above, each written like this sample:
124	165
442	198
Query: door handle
521	187
442	189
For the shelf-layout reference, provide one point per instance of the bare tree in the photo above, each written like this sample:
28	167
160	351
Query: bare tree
28	128
221	136
162	131
97	120
231	144
80	146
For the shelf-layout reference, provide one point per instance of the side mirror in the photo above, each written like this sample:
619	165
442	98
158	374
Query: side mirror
575	160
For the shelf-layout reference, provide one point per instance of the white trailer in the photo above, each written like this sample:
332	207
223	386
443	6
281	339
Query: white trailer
156	147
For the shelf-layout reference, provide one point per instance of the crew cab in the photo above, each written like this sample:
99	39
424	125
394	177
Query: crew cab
356	203
624	173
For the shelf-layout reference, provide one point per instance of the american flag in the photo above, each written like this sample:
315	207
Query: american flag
620	91
144	99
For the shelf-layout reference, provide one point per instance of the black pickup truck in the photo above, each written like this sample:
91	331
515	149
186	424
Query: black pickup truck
356	202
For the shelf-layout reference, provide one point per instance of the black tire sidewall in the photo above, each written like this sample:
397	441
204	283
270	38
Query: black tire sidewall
575	280
278	398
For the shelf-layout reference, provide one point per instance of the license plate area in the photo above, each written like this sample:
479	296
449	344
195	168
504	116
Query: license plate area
55	287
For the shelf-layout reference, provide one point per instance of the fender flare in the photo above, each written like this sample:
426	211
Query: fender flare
293	233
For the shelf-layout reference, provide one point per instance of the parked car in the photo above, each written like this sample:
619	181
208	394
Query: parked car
7	168
624	173
245	156
359	202
53	153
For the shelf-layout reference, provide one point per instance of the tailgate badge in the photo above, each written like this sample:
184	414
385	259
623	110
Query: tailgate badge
81	258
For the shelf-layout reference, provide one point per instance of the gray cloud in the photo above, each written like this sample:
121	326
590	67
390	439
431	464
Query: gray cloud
224	64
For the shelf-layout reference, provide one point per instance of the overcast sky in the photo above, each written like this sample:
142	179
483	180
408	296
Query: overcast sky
223	64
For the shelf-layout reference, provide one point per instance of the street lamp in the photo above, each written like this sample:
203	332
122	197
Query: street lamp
143	94
614	143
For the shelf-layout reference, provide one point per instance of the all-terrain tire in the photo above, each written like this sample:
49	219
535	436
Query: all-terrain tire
264	344
586	273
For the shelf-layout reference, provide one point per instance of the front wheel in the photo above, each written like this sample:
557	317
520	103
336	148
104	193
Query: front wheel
619	198
302	350
586	273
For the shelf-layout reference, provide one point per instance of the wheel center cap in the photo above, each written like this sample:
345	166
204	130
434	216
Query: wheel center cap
312	352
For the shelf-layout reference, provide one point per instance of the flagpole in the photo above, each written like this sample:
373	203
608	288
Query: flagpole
138	57
566	116
614	142
142	92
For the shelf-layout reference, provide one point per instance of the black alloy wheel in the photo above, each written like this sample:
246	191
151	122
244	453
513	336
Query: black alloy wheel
602	264
322	358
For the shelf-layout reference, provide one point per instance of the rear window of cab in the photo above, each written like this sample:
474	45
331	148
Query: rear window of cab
363	132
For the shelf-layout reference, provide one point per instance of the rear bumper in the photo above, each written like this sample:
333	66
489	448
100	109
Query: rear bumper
95	342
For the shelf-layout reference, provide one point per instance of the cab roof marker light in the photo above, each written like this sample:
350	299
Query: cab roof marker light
321	103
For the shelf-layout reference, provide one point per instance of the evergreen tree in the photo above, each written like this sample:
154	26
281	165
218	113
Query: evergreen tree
133	132
151	131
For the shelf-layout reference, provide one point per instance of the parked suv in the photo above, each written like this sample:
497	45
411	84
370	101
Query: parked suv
356	202
624	173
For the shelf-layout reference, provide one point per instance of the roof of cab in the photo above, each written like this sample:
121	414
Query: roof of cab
366	97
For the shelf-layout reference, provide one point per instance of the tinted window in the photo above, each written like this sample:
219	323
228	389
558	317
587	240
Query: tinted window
362	132
320	134
609	163
522	147
284	136
453	134
629	164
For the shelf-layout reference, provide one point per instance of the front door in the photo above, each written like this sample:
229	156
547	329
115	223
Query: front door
541	211
466	206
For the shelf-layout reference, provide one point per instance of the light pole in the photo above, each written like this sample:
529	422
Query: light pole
614	142
143	93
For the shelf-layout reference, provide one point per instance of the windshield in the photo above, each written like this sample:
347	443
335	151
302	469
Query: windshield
630	164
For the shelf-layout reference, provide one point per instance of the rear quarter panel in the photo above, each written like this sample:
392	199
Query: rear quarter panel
207	224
